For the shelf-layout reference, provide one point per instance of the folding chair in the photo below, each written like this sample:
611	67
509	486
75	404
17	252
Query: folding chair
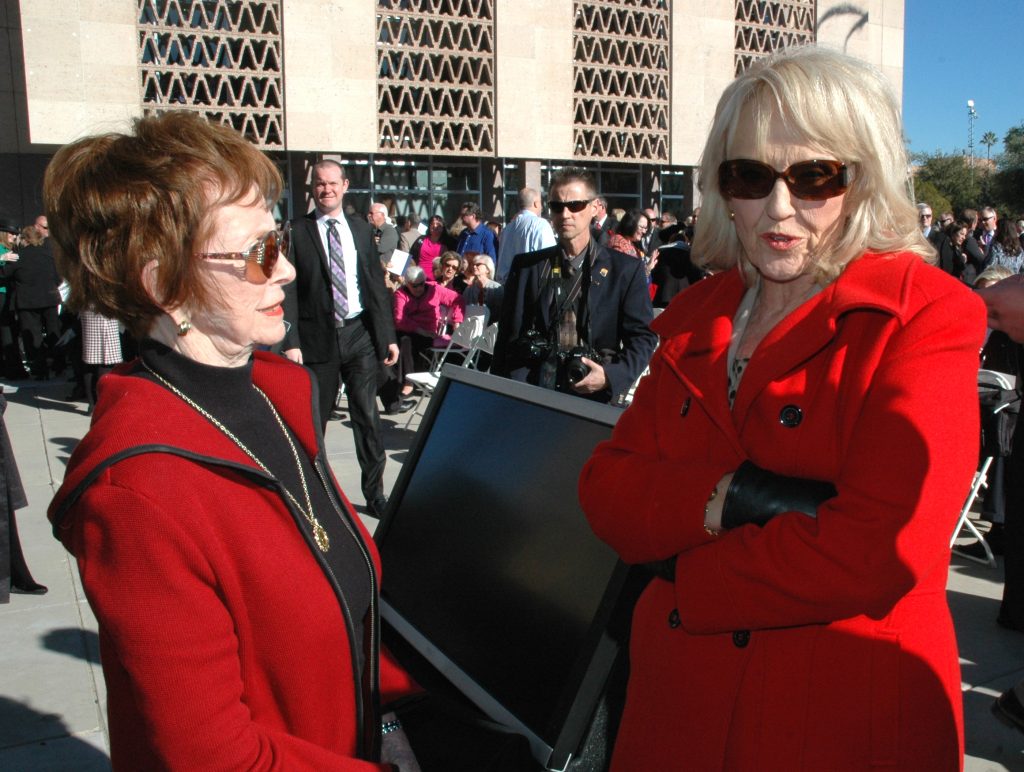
996	394
484	345
460	342
463	342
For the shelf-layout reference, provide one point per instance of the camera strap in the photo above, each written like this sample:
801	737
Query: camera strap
568	300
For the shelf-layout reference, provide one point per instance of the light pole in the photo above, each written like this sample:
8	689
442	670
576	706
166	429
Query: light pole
972	116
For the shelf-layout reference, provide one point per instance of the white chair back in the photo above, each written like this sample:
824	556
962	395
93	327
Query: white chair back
485	344
996	378
478	310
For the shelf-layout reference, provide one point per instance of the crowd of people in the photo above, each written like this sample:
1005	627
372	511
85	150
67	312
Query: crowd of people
40	337
780	474
462	269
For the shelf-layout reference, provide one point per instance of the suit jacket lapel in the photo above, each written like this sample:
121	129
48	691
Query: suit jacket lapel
601	283
313	232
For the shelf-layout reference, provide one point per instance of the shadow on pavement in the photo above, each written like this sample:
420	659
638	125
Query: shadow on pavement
33	740
75	642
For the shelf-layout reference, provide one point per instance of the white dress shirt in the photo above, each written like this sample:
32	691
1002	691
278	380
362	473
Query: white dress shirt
348	251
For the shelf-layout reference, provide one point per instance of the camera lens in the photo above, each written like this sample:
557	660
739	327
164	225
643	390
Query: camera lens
575	370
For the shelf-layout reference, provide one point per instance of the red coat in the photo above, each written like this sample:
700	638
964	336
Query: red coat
222	642
807	644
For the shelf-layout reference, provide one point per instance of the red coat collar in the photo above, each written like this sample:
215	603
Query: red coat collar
133	413
697	328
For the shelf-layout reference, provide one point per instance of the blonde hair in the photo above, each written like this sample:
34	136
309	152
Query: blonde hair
992	274
841	105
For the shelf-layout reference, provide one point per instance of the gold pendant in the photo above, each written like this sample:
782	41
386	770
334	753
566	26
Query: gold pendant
320	537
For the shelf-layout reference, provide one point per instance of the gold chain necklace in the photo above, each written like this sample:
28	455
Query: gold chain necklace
319	533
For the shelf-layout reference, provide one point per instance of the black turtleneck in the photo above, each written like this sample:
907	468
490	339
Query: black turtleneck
228	394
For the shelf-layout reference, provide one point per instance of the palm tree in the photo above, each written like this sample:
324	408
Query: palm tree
988	139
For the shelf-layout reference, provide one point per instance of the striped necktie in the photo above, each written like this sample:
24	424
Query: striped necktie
339	287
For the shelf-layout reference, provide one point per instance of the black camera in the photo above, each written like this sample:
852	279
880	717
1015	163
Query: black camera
530	348
572	364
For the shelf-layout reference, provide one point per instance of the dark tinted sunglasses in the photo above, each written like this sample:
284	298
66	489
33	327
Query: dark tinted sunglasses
557	207
260	259
808	180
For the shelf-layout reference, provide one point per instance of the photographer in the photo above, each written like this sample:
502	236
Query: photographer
575	316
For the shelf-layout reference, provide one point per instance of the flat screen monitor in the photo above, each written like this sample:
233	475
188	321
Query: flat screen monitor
491	571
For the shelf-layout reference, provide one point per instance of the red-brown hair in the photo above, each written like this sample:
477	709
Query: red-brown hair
117	201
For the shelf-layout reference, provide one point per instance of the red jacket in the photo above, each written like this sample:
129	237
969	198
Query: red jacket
222	642
808	644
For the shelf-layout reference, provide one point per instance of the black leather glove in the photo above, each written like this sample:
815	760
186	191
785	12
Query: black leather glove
756	495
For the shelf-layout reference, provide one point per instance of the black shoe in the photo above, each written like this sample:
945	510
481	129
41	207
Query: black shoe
1004	621
1008	709
996	538
377	506
403	406
337	415
31	588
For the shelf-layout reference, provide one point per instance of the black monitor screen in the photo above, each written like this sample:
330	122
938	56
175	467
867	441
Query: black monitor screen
487	552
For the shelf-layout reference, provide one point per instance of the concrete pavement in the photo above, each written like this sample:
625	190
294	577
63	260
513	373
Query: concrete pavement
52	712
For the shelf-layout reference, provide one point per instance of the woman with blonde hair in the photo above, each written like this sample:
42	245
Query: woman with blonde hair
783	470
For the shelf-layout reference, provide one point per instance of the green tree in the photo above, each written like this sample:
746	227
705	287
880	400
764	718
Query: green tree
951	177
988	139
929	194
1008	181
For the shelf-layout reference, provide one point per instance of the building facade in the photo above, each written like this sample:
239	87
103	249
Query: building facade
429	103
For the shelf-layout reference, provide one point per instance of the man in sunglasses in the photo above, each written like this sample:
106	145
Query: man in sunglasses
926	219
575	316
987	228
342	325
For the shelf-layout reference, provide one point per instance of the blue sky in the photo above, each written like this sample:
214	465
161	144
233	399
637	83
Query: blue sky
955	51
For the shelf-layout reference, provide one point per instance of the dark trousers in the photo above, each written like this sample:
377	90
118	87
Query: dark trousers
357	367
1012	611
10	349
33	321
411	348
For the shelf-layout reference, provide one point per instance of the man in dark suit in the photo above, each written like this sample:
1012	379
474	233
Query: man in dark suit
576	294
342	323
604	223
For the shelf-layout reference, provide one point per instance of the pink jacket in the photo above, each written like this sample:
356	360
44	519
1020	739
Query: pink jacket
425	312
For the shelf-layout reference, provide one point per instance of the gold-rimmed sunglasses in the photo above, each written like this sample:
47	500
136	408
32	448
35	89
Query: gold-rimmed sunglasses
260	259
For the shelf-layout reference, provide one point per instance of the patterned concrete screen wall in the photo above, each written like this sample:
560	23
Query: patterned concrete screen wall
763	27
221	58
621	90
435	76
